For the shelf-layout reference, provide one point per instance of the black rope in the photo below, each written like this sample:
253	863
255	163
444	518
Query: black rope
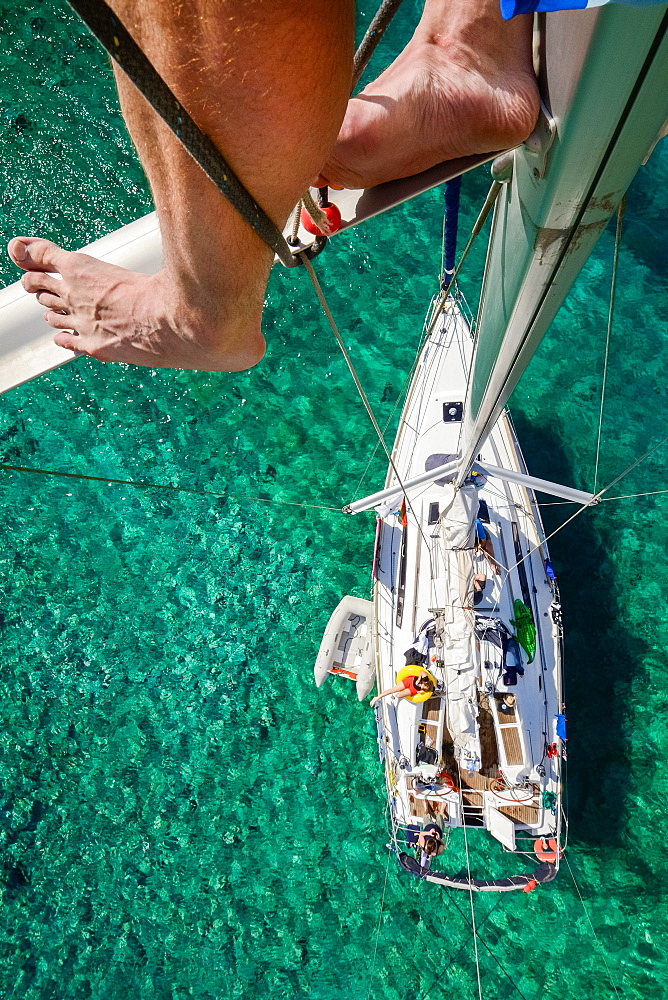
375	32
121	46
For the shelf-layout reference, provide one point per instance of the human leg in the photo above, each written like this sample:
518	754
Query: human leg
464	84
269	85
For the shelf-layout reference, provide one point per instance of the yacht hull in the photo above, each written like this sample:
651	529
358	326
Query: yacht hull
496	760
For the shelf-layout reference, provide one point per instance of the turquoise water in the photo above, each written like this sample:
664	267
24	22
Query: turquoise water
183	814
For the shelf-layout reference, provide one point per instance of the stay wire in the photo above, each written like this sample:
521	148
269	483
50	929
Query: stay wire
625	496
611	311
380	917
363	396
351	368
593	929
400	394
140	484
440	300
492	195
442	297
452	902
593	501
490	951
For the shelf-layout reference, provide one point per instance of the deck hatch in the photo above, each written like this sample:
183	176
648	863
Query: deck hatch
452	412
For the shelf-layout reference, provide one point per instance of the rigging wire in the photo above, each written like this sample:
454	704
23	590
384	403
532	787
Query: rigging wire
162	486
398	399
492	195
595	500
468	872
455	956
611	311
439	301
598	941
625	496
380	917
363	396
351	368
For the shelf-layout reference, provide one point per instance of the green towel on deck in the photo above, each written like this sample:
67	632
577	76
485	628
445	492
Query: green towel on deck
525	628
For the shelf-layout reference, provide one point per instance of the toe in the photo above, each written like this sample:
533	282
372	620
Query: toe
57	320
51	301
39	281
33	254
69	341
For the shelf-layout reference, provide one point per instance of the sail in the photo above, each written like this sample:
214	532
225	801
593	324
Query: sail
604	79
456	621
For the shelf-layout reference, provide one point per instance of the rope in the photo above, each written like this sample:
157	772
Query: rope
294	238
611	310
374	33
162	486
602	950
123	49
316	213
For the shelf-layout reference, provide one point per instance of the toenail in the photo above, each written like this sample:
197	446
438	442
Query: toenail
19	250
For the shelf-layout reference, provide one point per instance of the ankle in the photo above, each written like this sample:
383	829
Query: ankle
475	32
224	327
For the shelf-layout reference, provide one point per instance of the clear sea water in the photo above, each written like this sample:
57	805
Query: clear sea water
182	813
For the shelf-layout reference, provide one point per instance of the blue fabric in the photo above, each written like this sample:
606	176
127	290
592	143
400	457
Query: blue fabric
480	530
509	8
561	727
452	191
512	661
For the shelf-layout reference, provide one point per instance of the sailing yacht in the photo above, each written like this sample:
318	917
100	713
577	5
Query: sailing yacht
463	592
463	588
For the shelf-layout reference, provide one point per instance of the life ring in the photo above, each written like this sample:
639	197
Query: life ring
448	781
412	671
547	850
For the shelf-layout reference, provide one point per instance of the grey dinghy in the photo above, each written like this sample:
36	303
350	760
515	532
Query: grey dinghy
346	649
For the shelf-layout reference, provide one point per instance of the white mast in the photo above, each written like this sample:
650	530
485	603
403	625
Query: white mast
565	185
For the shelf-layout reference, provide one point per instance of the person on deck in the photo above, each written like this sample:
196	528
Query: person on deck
483	553
429	843
408	687
269	82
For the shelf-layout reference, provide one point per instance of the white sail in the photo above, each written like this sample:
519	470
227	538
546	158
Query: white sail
458	647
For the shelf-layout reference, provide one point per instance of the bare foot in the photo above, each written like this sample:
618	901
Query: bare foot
231	65
116	315
467	89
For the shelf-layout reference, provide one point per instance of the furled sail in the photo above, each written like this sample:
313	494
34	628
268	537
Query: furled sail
567	181
455	622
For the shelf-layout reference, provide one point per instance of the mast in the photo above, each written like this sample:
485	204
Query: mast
604	80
